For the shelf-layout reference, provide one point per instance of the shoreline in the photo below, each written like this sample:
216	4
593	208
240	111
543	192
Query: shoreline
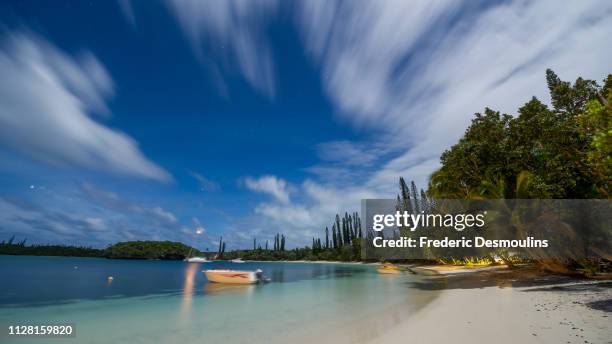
180	260
309	262
505	308
505	315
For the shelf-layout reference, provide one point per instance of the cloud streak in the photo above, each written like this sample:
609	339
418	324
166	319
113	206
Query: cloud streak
205	183
111	201
414	73
417	71
235	31
92	215
46	102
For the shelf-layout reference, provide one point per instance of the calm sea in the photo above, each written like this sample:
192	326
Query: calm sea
172	302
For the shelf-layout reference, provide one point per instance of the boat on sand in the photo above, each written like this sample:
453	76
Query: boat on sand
389	268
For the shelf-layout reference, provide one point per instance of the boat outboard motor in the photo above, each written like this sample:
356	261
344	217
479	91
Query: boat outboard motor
261	277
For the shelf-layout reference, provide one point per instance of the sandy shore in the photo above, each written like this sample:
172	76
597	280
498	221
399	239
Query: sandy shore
571	312
310	262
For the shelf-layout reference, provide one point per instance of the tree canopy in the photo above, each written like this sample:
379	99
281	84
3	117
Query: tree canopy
558	152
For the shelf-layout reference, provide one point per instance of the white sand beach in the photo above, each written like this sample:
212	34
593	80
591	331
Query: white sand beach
509	315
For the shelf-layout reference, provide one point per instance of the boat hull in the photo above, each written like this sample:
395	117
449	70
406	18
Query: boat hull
197	260
231	276
389	271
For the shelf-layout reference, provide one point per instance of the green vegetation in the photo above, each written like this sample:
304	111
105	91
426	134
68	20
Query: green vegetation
344	244
11	247
467	261
563	152
221	250
149	250
122	250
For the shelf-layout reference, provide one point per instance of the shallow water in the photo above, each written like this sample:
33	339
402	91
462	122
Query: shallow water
172	302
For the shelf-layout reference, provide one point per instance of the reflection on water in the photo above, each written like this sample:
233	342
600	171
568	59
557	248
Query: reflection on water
220	289
190	274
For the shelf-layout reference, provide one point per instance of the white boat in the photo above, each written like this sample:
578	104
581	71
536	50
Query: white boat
233	276
197	260
238	260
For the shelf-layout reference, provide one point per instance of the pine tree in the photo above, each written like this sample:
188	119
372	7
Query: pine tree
360	232
344	232
350	228
334	237
339	234
338	228
282	243
417	208
405	195
424	201
326	237
567	98
357	225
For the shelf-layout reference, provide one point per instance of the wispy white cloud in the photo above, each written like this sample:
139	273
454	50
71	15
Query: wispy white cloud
37	222
96	223
46	99
349	153
93	215
128	11
414	73
299	219
205	183
417	71
111	201
271	185
235	31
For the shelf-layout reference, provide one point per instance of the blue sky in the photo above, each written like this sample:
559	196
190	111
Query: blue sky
147	120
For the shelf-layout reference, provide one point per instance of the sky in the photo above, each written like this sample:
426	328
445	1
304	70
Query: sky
148	120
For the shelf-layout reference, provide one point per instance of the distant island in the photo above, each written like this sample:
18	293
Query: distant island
167	250
170	250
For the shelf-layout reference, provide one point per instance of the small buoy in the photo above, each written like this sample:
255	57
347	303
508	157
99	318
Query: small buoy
109	279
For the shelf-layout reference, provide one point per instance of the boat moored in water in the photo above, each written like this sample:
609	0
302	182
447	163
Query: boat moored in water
234	276
196	260
237	260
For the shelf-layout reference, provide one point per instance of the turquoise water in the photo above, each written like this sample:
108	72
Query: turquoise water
172	302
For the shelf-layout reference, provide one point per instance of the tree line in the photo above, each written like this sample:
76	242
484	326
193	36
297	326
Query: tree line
342	244
11	247
559	152
167	250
